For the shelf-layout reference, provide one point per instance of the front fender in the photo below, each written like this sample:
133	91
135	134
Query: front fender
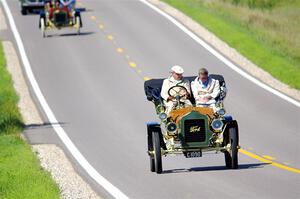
230	124
77	14
154	127
42	15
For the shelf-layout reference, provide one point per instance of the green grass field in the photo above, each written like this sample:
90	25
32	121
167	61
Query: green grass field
21	176
267	32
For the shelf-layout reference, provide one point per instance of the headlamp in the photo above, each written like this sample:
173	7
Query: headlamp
217	124
221	112
162	116
171	127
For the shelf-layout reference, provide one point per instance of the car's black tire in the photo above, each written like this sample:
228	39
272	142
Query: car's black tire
152	164
227	159
157	152
43	27
231	158
77	22
24	11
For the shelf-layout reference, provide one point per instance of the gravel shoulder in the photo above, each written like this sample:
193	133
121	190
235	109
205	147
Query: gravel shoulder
54	160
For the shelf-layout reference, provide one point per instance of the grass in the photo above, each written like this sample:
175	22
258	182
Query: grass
20	173
267	32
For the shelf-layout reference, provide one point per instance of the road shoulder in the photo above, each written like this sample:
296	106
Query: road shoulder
51	157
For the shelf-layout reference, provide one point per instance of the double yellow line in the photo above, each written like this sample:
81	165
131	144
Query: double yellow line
264	160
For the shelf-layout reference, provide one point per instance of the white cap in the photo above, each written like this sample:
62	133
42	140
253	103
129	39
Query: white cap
177	69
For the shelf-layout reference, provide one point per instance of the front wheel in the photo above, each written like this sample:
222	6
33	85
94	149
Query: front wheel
231	156
157	152
152	164
77	22
43	29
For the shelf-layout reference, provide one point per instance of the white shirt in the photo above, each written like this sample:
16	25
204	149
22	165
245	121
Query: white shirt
200	91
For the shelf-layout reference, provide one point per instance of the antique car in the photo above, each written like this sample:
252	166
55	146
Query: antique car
56	17
192	130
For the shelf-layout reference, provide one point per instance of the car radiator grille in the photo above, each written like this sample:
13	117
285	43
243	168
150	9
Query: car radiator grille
194	130
60	17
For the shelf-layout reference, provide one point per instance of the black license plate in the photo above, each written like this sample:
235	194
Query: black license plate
193	154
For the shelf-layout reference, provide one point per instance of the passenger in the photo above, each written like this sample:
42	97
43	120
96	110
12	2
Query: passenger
205	89
48	6
175	79
55	6
70	4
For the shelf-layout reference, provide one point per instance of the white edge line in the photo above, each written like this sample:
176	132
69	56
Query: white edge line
220	56
114	191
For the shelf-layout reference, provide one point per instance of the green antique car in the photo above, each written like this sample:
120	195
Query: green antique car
190	131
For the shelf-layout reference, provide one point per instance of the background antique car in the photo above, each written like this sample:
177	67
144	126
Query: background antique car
31	5
61	18
190	130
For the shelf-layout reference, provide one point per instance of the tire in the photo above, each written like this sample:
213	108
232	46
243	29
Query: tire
23	11
227	160
77	22
43	29
152	164
231	158
157	152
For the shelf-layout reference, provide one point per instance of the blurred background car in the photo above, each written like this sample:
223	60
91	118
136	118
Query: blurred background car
33	6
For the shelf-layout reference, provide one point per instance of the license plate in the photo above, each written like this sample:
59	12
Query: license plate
193	154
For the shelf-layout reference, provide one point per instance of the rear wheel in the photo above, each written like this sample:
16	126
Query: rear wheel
157	152
231	156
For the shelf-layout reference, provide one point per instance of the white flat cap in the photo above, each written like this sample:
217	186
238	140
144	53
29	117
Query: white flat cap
177	69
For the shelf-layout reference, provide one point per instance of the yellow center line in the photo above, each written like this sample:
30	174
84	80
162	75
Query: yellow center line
120	50
275	164
132	64
146	78
101	26
268	157
110	37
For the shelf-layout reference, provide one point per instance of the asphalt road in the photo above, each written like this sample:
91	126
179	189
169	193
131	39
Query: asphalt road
99	98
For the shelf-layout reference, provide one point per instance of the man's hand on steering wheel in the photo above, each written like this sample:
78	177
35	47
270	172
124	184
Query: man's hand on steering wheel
170	98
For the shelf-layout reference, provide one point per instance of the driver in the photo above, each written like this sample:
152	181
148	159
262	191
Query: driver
205	89
53	8
175	79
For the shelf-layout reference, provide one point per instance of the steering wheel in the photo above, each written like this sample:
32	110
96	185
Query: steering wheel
178	92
